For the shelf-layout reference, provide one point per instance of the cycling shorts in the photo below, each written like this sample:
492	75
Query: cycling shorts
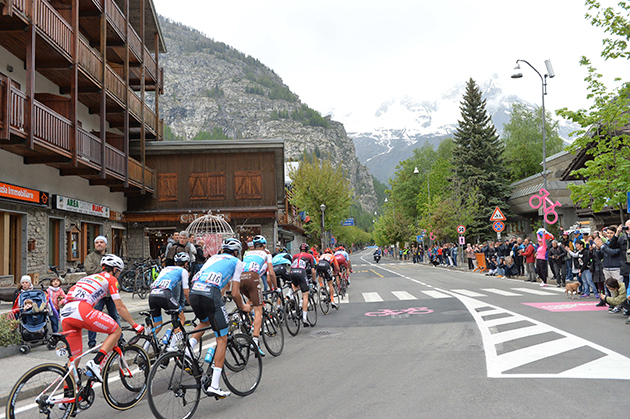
161	299
208	306
282	271
298	279
79	315
323	268
251	287
341	260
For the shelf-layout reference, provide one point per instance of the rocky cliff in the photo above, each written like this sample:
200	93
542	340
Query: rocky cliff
214	91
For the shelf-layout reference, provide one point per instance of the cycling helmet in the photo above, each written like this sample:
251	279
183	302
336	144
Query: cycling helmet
287	256
303	247
233	245
113	261
181	257
259	240
328	250
283	250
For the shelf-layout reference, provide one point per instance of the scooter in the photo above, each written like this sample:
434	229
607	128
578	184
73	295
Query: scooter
377	258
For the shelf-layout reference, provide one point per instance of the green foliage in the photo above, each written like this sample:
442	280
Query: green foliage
9	332
523	145
379	189
362	219
308	116
317	182
604	133
278	91
255	90
215	92
216	134
478	159
353	235
169	135
391	228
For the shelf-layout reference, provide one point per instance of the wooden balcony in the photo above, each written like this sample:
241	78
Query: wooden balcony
53	145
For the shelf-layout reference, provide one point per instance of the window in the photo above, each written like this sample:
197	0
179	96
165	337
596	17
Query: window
117	239
248	184
54	242
89	233
11	245
167	187
207	186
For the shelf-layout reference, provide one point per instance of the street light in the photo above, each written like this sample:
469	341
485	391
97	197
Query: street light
415	172
550	73
323	208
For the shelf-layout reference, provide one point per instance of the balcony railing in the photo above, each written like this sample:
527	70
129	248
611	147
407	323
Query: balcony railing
135	174
135	104
115	85
89	147
90	60
17	120
53	25
51	128
150	118
115	160
135	44
115	17
150	64
20	5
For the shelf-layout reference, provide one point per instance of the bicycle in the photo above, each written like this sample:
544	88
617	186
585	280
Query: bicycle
271	331
176	380
548	205
325	298
293	312
155	346
57	390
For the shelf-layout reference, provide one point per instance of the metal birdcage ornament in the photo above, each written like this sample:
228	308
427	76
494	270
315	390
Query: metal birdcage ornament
212	229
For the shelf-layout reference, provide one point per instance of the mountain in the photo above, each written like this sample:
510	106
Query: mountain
215	91
398	126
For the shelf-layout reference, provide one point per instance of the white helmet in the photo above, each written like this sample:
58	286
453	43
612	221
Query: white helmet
181	257
113	261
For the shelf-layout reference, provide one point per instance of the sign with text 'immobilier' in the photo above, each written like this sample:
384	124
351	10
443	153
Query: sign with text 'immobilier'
82	207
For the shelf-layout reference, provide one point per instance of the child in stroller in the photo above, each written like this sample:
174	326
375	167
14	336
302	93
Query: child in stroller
34	322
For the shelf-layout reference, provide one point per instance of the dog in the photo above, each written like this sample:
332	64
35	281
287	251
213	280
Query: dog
573	289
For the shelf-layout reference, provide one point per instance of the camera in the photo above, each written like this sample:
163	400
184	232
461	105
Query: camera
624	228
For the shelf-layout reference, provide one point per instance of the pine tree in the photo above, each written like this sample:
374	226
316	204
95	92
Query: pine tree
478	159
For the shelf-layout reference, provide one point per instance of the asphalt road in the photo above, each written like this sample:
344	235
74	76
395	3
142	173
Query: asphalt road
422	342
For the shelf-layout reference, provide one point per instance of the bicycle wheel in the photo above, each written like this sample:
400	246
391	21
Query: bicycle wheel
173	391
125	379
336	298
142	284
40	392
126	280
198	350
324	300
272	332
292	318
314	291
243	365
148	344
311	311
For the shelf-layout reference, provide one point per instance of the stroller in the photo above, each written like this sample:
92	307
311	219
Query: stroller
35	327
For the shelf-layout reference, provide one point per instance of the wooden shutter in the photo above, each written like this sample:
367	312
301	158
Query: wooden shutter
167	187
248	184
207	186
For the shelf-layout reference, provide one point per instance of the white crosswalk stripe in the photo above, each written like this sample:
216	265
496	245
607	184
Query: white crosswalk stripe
469	293
501	292
345	299
437	294
533	291
520	347
403	295
371	297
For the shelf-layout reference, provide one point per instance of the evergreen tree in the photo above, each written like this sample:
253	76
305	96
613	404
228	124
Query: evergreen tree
478	159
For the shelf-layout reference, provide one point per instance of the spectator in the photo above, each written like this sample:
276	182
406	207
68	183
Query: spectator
512	270
623	242
171	241
25	285
470	255
182	246
501	267
55	294
454	254
618	298
610	253
492	266
556	255
519	259
567	243
530	258
541	256
584	266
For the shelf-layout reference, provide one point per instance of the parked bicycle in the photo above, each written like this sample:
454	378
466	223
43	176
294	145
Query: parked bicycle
64	390
176	380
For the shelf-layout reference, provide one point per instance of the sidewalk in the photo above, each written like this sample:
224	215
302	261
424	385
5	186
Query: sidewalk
14	366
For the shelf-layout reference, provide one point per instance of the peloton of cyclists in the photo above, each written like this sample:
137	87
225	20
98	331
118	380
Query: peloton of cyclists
327	261
302	267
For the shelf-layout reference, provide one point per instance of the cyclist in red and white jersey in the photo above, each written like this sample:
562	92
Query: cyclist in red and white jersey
79	313
303	265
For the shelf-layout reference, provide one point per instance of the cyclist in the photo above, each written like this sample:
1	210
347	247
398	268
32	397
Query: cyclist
282	266
79	313
258	265
170	291
326	262
303	262
207	303
343	259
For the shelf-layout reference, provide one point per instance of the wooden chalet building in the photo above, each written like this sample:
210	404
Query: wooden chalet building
79	83
241	180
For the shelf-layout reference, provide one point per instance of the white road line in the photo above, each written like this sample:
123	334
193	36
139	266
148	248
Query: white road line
533	291
371	297
469	293
534	353
523	332
501	292
437	294
345	300
499	322
403	295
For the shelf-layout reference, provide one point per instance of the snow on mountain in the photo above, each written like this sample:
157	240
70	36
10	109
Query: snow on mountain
390	133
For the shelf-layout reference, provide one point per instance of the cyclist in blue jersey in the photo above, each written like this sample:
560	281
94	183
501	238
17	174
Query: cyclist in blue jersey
282	266
258	264
170	291
207	303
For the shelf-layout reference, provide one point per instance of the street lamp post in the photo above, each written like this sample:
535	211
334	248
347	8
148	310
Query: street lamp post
415	172
323	237
550	73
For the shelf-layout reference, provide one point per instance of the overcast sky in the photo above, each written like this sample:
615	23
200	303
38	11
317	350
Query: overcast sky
352	55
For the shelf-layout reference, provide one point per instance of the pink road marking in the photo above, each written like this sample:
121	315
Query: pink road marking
568	306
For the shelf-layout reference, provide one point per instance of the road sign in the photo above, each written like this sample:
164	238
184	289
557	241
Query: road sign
497	215
461	229
348	222
498	226
462	240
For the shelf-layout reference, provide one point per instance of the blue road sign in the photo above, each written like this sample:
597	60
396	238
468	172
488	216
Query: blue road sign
348	222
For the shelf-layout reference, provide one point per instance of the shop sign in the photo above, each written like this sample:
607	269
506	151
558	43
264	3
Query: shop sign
18	193
190	217
82	207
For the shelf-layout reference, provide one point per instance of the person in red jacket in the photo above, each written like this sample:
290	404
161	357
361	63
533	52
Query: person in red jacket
530	260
